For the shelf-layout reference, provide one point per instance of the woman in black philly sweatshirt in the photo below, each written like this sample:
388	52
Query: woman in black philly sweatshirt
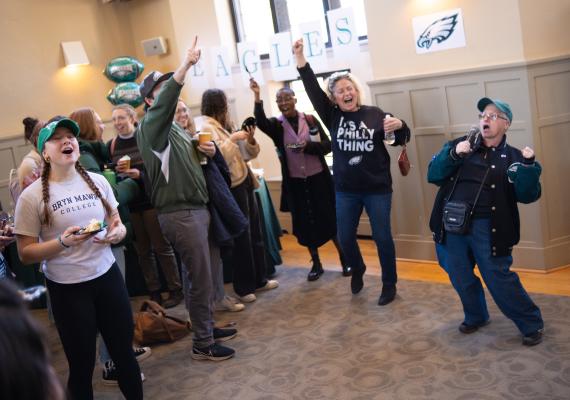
361	168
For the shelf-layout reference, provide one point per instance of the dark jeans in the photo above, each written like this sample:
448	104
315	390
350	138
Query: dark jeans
348	211
149	240
458	257
80	310
248	252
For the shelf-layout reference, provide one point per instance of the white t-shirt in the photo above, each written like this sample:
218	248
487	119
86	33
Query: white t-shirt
71	203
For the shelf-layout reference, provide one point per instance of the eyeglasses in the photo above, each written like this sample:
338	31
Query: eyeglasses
491	116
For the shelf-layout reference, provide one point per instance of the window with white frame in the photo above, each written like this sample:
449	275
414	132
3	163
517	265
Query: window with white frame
257	20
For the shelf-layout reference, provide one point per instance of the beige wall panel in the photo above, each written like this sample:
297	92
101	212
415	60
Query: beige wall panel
426	146
460	102
556	164
553	94
428	107
397	103
512	91
7	161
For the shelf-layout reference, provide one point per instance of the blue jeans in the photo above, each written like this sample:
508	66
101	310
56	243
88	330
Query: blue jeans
349	208
458	257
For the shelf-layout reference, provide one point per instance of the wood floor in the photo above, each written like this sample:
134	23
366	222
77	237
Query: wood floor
556	283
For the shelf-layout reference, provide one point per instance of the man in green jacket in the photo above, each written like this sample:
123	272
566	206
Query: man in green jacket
179	194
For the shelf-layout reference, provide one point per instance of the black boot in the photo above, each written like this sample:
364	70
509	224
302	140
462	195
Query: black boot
388	294
316	271
346	269
357	280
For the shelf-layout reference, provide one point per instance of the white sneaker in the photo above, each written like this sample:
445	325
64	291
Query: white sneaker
270	284
248	298
228	305
142	353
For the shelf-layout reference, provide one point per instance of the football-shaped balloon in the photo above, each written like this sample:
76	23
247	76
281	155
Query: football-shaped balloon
126	92
123	69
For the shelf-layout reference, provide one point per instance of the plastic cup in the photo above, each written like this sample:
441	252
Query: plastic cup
126	160
204	137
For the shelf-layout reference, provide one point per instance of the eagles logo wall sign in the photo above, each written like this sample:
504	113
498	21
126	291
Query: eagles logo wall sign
439	31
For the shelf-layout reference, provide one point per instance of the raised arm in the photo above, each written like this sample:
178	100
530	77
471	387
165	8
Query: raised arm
318	97
155	125
271	127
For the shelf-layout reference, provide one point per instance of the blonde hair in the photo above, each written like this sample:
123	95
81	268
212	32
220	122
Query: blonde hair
131	112
190	126
337	76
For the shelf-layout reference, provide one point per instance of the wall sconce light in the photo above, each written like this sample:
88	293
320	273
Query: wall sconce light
74	53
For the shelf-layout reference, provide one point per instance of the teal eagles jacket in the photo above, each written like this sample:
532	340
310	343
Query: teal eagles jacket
515	180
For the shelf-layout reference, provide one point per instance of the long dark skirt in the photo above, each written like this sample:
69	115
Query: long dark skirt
312	205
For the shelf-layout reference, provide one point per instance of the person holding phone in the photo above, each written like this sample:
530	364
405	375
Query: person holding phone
307	189
361	167
87	291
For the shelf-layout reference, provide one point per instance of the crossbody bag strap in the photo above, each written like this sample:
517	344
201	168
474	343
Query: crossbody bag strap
479	192
454	183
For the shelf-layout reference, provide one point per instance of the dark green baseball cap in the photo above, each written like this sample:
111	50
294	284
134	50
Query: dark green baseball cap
501	105
47	131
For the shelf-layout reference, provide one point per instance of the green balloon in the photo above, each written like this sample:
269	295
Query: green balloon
126	92
123	69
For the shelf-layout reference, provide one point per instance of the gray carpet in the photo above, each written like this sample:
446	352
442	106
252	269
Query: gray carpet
317	341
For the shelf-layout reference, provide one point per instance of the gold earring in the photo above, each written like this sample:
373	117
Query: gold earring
47	159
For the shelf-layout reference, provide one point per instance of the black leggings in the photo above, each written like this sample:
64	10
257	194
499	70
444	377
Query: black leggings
80	310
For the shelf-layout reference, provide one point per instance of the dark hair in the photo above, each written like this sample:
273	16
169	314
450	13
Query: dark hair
286	89
215	105
32	127
56	118
25	370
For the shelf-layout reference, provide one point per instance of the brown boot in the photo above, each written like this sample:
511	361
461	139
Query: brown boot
174	298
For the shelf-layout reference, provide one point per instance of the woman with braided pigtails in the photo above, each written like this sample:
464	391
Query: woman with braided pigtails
86	288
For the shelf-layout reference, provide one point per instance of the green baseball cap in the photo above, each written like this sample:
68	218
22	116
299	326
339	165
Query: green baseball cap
47	131
501	105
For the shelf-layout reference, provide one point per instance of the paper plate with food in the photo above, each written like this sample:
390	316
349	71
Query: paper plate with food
94	226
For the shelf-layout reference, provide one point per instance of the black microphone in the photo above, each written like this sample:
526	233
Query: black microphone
474	138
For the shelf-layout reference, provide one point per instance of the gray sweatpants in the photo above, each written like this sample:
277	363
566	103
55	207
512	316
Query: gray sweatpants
187	231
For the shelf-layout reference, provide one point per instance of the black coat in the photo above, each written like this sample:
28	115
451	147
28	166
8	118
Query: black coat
227	219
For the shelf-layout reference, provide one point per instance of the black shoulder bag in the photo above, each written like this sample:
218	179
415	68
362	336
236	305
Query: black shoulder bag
457	214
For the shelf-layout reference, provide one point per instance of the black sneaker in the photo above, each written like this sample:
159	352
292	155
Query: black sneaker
142	353
533	339
213	352
111	376
357	281
221	335
468	329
